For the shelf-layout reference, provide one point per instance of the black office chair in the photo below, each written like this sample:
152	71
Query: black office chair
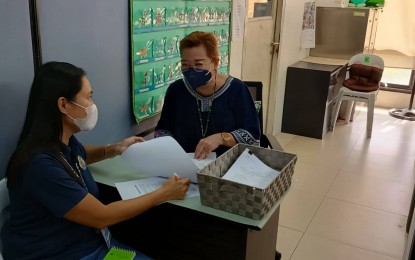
266	140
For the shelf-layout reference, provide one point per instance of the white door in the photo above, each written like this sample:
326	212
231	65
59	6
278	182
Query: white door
261	42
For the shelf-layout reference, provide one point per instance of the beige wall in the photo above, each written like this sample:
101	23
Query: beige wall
387	99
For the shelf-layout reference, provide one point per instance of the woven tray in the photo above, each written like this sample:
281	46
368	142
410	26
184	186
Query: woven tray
239	198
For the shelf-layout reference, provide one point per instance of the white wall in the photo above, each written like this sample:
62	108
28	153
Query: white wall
237	45
235	62
290	52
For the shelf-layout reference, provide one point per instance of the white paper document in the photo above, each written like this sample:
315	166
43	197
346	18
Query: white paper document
202	163
251	171
308	32
161	157
137	188
238	20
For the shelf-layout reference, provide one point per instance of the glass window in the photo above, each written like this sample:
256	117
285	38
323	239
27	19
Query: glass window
259	8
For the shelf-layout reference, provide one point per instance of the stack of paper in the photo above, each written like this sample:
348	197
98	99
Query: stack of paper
158	159
251	171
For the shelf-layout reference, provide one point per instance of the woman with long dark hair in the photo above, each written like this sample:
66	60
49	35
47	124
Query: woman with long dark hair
54	208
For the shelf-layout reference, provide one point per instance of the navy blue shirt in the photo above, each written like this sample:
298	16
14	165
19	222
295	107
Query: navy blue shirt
232	110
44	194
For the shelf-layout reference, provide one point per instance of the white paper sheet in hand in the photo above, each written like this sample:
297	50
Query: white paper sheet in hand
160	157
202	163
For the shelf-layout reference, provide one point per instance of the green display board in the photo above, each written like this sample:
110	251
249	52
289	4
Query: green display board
156	30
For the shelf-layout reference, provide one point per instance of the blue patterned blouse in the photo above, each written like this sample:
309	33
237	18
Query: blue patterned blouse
232	110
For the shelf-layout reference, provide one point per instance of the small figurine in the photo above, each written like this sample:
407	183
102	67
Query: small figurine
204	16
159	48
182	17
170	76
145	19
142	52
177	69
143	108
172	49
160	102
160	76
225	37
212	15
159	16
193	15
146	79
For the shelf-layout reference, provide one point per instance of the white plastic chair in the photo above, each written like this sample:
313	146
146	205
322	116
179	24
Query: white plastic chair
353	96
4	207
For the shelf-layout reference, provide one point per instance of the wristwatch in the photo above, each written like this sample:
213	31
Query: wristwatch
225	138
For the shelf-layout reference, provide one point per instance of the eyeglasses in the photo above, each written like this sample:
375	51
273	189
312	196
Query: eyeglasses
199	66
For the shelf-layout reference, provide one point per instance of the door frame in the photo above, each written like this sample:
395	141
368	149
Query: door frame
269	129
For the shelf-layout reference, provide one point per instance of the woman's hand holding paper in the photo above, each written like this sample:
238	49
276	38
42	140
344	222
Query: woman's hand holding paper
207	145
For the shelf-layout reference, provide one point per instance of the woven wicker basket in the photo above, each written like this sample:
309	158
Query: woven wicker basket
239	198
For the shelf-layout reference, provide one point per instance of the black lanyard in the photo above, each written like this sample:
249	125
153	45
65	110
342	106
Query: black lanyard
76	172
204	129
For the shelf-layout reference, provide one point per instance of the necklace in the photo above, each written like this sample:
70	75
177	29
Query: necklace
77	173
204	129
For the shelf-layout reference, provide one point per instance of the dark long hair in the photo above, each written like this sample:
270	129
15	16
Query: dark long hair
43	127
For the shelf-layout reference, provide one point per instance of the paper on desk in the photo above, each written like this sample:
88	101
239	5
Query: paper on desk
160	157
137	188
251	171
202	163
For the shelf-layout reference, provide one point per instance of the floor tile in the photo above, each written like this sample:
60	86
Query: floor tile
344	136
360	226
390	136
392	128
298	208
398	147
318	248
313	151
313	178
372	192
381	166
287	241
284	139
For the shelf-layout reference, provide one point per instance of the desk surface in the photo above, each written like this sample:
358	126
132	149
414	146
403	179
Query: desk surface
325	61
115	170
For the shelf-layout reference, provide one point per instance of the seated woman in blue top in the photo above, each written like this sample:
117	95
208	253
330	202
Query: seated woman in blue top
54	208
207	111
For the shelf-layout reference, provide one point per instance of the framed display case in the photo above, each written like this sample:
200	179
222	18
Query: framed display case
156	30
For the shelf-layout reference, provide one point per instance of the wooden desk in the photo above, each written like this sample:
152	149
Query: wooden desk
186	229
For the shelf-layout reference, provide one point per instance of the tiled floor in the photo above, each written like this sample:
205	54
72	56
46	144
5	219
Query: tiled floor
350	195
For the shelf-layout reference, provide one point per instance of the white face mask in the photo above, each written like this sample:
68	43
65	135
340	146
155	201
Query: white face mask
87	123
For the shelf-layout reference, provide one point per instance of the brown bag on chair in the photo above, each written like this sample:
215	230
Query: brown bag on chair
363	78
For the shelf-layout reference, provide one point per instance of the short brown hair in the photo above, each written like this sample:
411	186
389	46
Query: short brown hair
206	39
